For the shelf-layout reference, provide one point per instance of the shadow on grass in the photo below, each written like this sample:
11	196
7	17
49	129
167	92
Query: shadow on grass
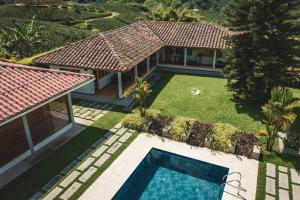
252	109
159	86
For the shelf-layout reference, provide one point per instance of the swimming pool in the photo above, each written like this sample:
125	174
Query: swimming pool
164	175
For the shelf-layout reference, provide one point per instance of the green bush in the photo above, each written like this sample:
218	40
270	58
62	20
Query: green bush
180	128
134	121
151	114
222	136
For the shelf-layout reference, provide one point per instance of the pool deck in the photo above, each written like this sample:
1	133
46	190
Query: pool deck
107	185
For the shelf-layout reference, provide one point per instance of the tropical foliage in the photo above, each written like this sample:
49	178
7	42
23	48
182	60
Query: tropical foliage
198	134
142	90
245	142
262	55
278	112
169	10
23	41
222	137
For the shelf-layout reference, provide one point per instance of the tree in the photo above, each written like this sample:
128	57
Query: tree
24	41
3	50
278	113
169	10
261	57
142	92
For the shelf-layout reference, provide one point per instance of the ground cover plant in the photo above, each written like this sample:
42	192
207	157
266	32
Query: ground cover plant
245	142
222	136
199	133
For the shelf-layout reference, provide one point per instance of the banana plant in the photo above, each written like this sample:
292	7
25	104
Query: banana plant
278	112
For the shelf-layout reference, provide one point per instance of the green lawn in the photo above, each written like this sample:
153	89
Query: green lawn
35	178
172	95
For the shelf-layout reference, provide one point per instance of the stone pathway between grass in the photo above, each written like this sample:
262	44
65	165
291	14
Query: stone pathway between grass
87	112
282	183
73	176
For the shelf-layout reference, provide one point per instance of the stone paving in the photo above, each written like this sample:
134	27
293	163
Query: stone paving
89	111
282	183
79	171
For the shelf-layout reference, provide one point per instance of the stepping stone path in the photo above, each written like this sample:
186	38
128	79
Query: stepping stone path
287	181
79	171
90	111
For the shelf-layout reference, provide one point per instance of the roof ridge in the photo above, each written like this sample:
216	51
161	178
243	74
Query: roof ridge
145	23
112	50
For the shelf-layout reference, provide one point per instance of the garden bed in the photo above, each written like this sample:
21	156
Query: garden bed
218	136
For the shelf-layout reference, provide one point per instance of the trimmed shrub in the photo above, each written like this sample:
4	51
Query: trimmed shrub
245	142
159	124
292	141
198	133
180	128
151	114
134	121
222	136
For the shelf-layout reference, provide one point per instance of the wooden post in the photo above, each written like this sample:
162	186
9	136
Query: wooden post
70	109
215	59
28	134
185	56
97	79
135	72
120	89
148	64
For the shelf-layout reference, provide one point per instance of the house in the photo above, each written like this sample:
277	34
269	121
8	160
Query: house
117	57
35	109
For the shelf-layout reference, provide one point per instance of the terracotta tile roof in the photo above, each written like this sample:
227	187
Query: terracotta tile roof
23	87
121	49
116	50
191	34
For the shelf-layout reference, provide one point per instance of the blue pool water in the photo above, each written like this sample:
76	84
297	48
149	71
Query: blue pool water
164	175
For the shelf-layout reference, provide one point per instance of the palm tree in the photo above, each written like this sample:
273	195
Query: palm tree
180	14
169	10
142	92
278	113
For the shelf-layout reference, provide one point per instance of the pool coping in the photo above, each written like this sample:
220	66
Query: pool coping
108	184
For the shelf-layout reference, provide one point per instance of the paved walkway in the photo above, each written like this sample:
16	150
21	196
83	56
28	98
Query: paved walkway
282	183
87	112
79	171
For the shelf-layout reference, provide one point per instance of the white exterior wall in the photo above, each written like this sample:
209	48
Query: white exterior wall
86	89
104	81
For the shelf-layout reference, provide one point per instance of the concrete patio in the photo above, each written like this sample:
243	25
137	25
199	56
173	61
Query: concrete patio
125	164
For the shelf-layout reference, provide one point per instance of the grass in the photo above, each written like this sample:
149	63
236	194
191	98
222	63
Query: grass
172	96
103	167
36	177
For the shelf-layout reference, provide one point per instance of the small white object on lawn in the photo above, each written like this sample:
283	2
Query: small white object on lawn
195	92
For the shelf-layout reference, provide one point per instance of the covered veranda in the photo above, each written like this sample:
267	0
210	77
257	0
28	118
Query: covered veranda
120	83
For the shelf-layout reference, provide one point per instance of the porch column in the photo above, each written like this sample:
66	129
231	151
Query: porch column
215	59
148	64
157	58
70	109
28	134
185	56
120	89
135	72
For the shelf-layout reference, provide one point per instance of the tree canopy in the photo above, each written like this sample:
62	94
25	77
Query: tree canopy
261	58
